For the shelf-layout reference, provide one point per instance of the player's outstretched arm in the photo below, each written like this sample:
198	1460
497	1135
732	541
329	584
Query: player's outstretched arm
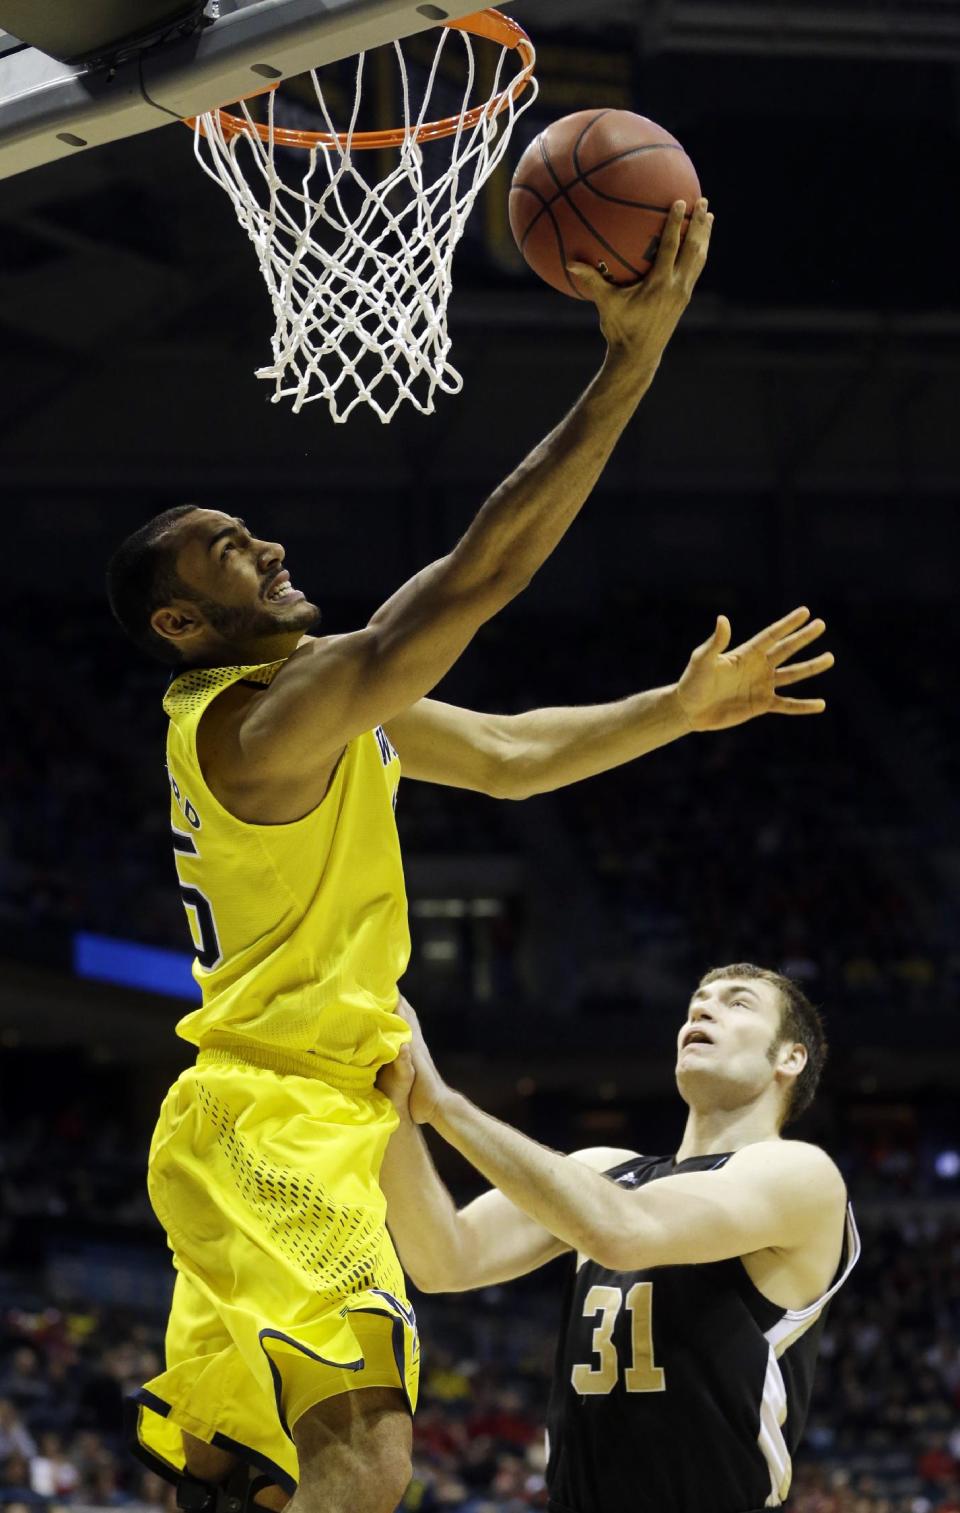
332	689
443	1248
774	1194
516	756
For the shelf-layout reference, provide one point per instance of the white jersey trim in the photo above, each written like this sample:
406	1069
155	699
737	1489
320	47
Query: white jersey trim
773	1404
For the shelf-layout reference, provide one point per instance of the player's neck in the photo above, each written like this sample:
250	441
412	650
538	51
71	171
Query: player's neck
713	1132
257	652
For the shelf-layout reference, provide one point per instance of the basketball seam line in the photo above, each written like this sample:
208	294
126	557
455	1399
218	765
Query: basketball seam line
583	177
562	251
582	218
544	203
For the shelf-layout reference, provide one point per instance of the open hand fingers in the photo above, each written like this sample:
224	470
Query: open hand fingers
797	671
797	706
771	634
790	645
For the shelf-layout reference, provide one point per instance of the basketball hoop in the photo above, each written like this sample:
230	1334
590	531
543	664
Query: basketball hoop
360	273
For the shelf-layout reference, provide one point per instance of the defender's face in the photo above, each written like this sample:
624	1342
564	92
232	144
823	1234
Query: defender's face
238	583
727	1052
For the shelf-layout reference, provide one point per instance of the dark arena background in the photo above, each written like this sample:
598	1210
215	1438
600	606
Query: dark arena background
801	445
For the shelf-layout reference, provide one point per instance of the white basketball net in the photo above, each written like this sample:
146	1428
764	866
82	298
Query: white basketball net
360	273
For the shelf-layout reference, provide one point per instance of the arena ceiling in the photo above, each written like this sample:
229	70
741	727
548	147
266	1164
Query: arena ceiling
844	28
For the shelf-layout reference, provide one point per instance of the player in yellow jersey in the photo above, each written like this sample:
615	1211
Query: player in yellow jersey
283	766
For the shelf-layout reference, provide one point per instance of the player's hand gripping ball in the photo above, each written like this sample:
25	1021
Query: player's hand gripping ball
596	187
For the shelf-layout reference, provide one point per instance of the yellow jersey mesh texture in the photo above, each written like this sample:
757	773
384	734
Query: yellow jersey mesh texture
336	1248
191	690
300	928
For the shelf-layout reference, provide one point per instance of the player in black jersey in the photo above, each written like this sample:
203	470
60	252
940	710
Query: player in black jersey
692	1319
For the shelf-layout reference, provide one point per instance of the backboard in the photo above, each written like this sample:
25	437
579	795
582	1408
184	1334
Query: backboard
187	58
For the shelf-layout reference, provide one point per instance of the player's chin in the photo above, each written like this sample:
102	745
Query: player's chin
688	1075
300	616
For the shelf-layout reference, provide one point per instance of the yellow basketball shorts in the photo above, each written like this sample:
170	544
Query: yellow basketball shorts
288	1288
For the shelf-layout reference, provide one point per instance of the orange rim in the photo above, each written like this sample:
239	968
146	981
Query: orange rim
492	25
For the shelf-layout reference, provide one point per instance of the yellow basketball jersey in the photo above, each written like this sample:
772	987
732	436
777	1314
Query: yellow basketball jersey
300	929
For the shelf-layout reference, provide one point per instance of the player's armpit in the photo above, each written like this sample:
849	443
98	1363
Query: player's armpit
774	1194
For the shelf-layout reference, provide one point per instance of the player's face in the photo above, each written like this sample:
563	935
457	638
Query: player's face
238	584
729	1049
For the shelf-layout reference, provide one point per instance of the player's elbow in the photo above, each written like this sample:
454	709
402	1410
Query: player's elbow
429	1276
511	768
434	1268
426	1278
614	1255
511	777
621	1246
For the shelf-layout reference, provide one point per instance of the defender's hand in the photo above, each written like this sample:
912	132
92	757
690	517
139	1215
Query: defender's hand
721	688
638	320
428	1087
396	1079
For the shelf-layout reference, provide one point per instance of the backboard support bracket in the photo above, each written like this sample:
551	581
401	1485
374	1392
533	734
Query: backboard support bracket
51	110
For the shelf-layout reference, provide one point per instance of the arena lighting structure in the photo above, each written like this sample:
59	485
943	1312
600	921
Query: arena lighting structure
73	78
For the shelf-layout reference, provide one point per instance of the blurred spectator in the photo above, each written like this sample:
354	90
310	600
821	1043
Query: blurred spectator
15	1438
15	1481
22	1382
936	1463
51	1473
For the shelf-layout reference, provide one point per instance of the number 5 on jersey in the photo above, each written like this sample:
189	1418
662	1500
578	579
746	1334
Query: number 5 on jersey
203	927
642	1375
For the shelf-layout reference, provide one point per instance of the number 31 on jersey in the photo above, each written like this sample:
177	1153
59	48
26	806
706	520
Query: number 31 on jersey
642	1374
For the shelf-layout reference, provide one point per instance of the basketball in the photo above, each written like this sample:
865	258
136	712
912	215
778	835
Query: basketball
596	187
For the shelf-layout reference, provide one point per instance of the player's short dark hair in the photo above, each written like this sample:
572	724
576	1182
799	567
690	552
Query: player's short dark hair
800	1021
142	576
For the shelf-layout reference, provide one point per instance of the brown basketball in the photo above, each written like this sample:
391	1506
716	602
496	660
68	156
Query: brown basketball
595	187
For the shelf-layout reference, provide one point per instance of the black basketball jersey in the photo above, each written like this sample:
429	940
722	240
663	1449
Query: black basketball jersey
681	1389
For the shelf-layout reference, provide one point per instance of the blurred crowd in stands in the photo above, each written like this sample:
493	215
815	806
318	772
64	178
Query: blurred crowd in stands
84	1281
883	1434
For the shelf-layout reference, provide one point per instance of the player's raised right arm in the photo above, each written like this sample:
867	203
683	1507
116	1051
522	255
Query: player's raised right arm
334	688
